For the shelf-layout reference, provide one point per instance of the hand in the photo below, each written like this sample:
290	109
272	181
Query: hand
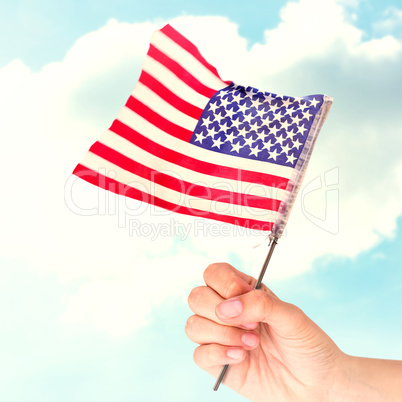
274	350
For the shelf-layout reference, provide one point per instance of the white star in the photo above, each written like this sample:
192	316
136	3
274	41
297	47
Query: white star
277	115
269	98
288	112
220	117
248	141
213	107
286	102
226	96
254	126
236	147
217	143
305	106
291	159
261	112
224	127
307	115
211	132
224	103
301	130
297	144
206	121
273	155
273	108
261	136
296	119
242	108
286	149
280	139
200	137
273	130
230	137
230	113
243	132
268	145
254	151
248	117
236	97
314	102
256	103
236	123
285	124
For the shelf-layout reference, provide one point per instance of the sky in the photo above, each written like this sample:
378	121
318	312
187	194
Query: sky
94	286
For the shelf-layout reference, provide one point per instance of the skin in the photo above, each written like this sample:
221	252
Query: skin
275	352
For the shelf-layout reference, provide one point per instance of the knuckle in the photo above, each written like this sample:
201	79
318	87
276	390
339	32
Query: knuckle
226	336
298	316
194	297
210	271
213	355
196	356
233	287
265	302
189	328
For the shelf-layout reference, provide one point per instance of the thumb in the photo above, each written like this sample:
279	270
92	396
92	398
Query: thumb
261	306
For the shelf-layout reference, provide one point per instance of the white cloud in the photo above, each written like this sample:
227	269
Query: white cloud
52	117
392	20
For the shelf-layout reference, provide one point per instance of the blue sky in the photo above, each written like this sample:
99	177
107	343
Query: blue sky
93	311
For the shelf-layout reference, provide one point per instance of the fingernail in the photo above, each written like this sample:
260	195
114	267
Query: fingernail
230	309
249	339
235	354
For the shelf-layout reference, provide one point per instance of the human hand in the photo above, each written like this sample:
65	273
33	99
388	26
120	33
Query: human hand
274	350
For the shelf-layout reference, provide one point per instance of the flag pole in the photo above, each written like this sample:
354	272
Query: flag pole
273	243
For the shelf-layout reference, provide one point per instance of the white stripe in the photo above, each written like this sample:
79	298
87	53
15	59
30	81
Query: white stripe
137	154
136	122
173	83
93	162
160	106
186	60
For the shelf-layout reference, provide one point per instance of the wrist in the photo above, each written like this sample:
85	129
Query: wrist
365	379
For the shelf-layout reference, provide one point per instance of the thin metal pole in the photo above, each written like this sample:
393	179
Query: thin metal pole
274	242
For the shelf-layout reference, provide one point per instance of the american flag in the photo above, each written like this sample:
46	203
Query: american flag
191	143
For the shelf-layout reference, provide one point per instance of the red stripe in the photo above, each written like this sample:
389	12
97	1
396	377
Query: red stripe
157	120
182	186
195	164
119	188
170	97
180	72
182	41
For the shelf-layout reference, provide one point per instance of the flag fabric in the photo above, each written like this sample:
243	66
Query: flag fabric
191	143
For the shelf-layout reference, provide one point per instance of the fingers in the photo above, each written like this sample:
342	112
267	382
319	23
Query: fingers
203	301
212	357
203	331
260	306
228	282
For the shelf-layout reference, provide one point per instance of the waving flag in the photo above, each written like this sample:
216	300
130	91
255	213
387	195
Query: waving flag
189	142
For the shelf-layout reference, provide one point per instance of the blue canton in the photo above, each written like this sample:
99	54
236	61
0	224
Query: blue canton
258	125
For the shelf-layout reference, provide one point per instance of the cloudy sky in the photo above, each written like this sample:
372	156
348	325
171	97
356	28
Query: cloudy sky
94	286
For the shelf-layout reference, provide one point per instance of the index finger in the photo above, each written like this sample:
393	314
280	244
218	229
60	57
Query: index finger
229	282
